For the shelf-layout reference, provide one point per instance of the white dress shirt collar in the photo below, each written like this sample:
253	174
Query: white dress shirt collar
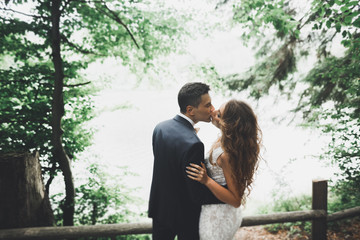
187	118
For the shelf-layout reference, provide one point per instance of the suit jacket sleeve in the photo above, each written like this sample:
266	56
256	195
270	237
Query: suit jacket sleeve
198	192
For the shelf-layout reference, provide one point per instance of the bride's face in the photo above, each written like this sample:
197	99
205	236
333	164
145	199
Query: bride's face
216	116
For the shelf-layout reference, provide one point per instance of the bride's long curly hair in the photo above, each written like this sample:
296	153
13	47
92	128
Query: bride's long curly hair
241	140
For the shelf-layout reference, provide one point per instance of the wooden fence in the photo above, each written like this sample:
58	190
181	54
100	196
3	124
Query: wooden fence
318	215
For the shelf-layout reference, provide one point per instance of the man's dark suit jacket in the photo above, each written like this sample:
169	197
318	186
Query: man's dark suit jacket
175	200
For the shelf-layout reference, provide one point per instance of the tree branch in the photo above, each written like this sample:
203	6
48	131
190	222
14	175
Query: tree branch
219	4
77	85
52	174
118	20
78	48
25	14
83	51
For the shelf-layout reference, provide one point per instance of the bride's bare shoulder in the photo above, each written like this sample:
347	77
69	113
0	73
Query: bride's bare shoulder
223	160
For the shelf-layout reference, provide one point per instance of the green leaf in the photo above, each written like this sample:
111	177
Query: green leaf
259	4
338	2
356	23
338	27
344	8
346	43
352	3
331	3
348	20
328	12
344	33
322	11
328	23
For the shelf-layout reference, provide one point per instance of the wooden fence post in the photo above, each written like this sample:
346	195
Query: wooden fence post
319	202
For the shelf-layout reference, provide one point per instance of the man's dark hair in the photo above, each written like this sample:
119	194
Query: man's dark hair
190	94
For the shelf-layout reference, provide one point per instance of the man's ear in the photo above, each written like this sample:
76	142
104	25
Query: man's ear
190	110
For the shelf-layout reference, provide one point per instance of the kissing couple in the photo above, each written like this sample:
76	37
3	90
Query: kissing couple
193	197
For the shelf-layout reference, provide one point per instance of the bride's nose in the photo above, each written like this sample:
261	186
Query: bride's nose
214	112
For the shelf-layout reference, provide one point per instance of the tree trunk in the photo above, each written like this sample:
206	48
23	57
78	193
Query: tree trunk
23	200
57	113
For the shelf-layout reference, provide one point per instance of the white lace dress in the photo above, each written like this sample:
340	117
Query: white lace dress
218	221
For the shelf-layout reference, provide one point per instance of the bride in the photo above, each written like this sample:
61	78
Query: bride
233	160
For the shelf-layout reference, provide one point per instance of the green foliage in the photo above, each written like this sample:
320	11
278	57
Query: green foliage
89	30
281	41
334	97
275	30
341	15
257	16
284	34
135	32
211	76
102	199
26	93
339	200
283	203
23	110
288	204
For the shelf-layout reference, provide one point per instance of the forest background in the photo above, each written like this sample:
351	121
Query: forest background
84	83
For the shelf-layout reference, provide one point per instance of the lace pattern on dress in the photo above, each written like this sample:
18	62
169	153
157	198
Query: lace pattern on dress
214	171
218	221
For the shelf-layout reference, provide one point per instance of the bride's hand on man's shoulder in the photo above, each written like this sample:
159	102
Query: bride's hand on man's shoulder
197	173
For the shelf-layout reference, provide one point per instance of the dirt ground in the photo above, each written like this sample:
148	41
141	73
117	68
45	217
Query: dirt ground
258	233
348	231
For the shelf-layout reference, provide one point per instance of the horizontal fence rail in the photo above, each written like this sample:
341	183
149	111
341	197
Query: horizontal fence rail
318	215
348	213
110	230
283	217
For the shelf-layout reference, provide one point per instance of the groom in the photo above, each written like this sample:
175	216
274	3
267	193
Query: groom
175	200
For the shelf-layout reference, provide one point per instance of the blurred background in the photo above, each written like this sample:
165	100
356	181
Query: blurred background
85	82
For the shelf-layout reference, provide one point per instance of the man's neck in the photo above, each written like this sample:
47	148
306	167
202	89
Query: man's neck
187	118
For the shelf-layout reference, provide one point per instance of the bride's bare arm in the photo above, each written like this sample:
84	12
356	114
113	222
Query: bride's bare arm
228	195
